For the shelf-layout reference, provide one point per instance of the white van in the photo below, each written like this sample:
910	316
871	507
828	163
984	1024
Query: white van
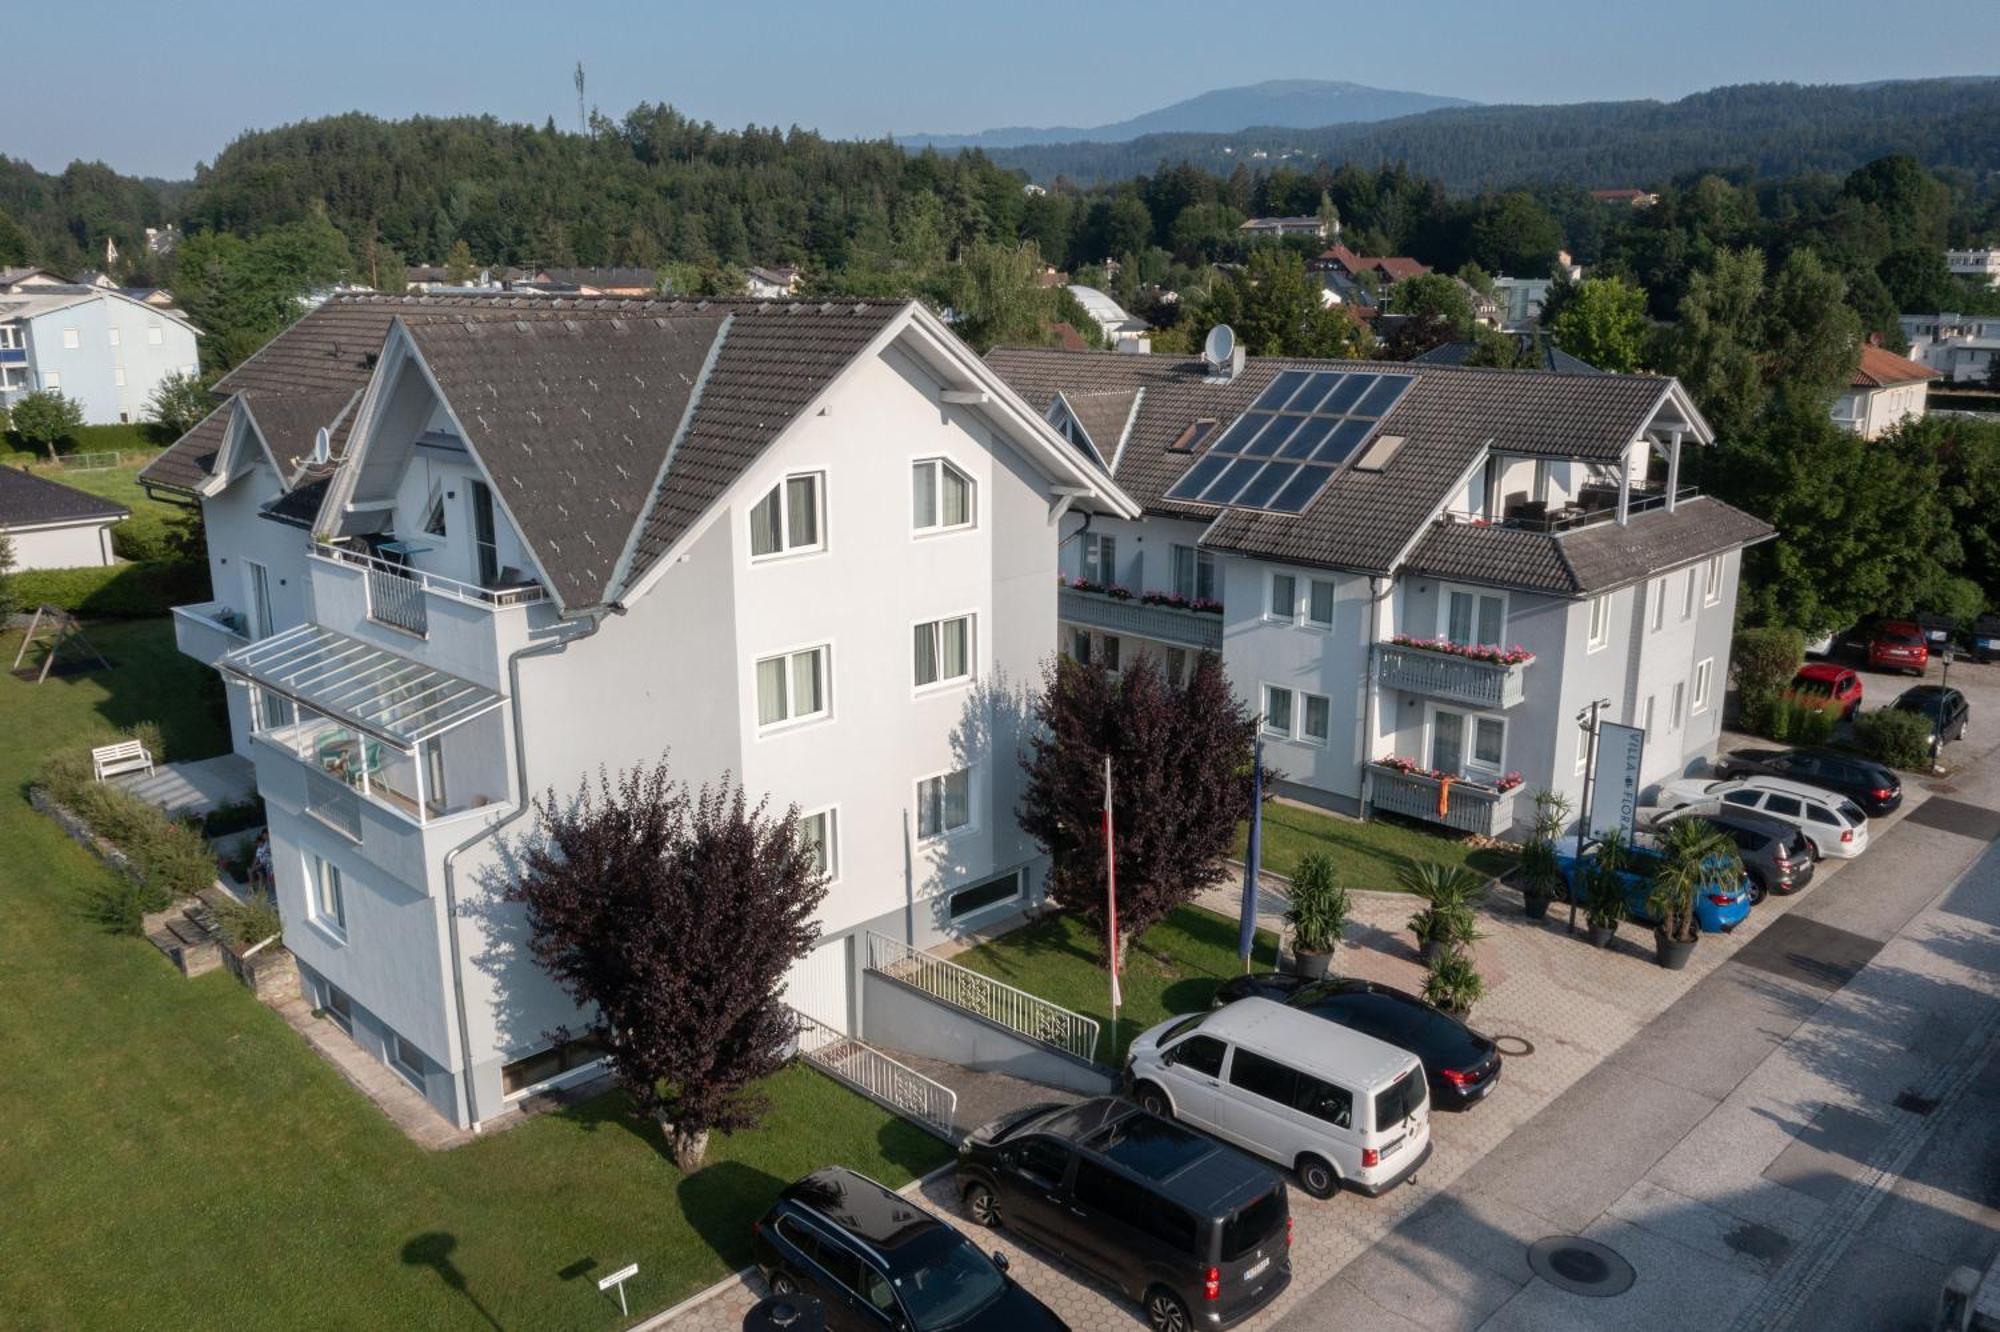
1335	1106
1833	825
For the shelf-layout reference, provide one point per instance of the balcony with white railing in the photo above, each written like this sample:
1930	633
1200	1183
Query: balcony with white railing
1161	617
456	626
347	771
207	630
995	1001
886	1081
1467	806
1490	678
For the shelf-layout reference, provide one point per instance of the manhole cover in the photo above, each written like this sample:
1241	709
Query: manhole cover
1513	1046
1580	1266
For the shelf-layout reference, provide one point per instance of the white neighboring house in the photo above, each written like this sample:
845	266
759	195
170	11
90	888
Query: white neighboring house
810	546
1886	390
101	349
52	526
1980	265
1405	565
1271	228
1960	348
770	284
1123	330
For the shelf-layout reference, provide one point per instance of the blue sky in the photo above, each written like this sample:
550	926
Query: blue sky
167	85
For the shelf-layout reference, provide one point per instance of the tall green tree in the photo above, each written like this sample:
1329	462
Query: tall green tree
47	419
1603	321
1714	348
1276	308
1811	338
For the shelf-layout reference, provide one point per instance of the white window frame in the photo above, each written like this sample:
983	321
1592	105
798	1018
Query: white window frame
1712	590
317	868
1469	767
111	334
1704	672
1271	596
1199	561
1687	598
156	335
1306	602
943	682
1644	721
1305	702
1657	612
1676	705
395	1044
72	339
831	813
945	834
52	379
118	376
793	718
1597	629
1582	751
938	463
783	490
1444	611
1094	566
1264	722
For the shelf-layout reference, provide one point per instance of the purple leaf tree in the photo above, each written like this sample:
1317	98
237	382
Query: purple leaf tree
672	918
1181	781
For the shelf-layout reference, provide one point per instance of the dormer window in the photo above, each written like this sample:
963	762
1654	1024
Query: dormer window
1193	437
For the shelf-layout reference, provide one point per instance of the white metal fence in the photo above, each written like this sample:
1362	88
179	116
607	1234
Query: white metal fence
996	1001
88	462
875	1075
397	599
516	594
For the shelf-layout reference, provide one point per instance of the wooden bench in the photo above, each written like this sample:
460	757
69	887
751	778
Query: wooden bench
128	756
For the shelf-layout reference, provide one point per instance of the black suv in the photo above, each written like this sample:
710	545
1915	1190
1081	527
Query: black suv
876	1260
1197	1232
1867	783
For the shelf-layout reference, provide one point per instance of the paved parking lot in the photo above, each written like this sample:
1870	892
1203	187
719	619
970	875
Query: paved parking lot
1574	1005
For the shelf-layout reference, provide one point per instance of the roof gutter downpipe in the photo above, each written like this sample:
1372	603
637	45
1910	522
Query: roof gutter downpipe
521	806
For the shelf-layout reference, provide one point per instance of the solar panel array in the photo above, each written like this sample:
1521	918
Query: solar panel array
1280	453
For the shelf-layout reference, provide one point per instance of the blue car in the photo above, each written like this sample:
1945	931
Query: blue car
1720	905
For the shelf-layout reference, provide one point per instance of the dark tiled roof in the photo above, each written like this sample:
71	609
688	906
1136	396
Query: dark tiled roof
1552	356
26	500
299	506
573	419
290	421
189	459
1103	417
1363	520
1586	560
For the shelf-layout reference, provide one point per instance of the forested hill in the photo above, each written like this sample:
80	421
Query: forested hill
653	187
1773	129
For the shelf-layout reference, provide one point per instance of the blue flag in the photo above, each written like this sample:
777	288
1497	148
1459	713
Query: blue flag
1247	935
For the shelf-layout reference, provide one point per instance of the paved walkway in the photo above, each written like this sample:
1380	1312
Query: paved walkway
193	789
1808	1139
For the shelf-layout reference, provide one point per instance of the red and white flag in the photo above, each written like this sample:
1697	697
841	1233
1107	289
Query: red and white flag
1111	886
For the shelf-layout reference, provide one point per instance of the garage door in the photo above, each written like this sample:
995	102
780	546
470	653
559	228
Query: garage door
818	985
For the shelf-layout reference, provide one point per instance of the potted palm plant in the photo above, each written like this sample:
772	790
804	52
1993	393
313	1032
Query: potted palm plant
1445	922
1540	871
1318	913
1453	983
1604	888
1693	853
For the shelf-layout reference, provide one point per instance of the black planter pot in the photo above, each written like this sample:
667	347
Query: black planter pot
1600	936
1535	907
1313	966
1673	954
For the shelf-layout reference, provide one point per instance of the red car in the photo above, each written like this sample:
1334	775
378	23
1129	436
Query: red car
1822	679
1898	645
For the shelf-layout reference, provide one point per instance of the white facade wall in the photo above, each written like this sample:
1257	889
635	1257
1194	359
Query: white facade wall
116	362
67	546
238	538
1871	413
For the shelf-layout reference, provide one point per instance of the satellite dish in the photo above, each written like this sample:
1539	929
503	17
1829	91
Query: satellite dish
1221	343
322	446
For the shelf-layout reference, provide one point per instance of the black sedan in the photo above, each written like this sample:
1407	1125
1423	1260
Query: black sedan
1942	706
1461	1065
1867	783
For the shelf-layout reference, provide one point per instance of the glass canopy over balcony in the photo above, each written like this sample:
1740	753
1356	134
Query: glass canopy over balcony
397	701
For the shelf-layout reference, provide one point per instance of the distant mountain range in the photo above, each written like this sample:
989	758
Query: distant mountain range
1283	103
1769	128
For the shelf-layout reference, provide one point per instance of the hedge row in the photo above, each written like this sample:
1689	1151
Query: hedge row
172	859
118	591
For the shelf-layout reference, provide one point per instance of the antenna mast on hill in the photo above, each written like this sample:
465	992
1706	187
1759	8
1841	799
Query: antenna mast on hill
581	127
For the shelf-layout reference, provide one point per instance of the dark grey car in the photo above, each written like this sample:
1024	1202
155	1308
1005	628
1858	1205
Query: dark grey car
1776	856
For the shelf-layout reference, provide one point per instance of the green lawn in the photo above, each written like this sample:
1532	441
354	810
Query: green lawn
140	536
1369	854
1173	968
173	1156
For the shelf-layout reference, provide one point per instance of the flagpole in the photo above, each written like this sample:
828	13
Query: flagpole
1246	934
1111	903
